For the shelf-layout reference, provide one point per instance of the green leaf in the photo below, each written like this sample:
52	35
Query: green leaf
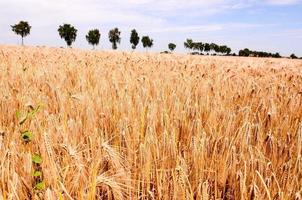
23	120
37	159
34	111
37	174
26	136
18	115
40	185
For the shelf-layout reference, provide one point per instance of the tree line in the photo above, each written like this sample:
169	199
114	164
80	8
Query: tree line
69	34
200	47
248	53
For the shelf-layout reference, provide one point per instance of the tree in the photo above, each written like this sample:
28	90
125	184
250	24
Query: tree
214	47
223	49
147	42
68	33
134	39
293	56
189	44
207	47
114	37
198	46
22	29
276	55
245	52
228	50
93	37
172	46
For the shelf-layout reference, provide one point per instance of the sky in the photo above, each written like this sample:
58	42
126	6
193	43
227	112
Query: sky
263	25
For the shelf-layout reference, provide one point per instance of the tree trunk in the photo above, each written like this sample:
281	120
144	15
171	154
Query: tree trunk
22	41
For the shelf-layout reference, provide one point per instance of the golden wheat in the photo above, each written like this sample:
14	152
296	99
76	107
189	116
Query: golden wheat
117	125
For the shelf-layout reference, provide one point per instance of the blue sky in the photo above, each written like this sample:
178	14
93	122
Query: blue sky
268	25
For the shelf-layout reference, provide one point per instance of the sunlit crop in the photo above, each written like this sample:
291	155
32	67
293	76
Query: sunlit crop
113	125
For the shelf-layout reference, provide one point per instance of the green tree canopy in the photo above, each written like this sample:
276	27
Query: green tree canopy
207	47
22	29
245	52
68	33
114	37
93	37
147	42
134	39
223	49
214	47
172	46
198	46
277	55
293	56
189	44
228	50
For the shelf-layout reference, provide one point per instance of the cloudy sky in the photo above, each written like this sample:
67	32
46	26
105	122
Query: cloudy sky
268	25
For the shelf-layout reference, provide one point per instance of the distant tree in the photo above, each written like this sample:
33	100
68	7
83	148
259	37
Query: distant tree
276	55
293	56
172	46
214	47
68	33
207	47
134	39
195	46
201	47
198	46
93	37
228	50
189	44
245	52
147	42
221	49
114	37
22	29
224	49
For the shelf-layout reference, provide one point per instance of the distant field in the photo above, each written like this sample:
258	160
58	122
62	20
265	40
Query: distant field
114	125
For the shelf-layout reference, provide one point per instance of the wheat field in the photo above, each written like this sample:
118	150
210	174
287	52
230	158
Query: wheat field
125	125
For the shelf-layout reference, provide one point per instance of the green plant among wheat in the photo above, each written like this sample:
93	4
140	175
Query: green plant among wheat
27	137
